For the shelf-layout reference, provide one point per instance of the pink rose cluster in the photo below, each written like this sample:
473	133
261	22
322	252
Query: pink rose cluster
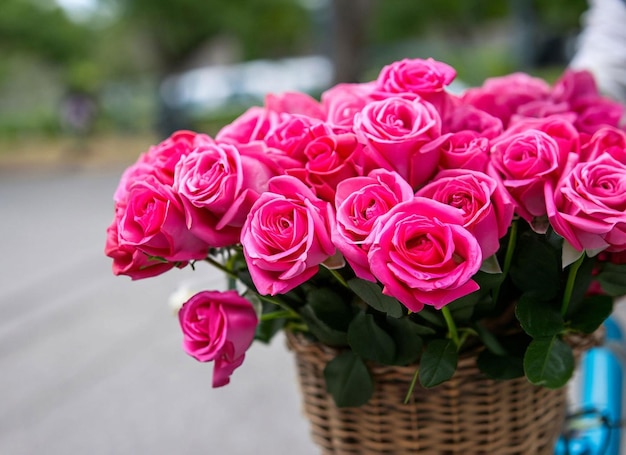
410	185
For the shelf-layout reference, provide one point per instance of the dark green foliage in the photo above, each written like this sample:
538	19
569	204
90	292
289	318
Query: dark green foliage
438	363
348	380
538	318
371	293
612	278
549	362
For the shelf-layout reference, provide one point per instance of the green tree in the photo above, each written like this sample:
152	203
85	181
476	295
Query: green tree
44	31
176	30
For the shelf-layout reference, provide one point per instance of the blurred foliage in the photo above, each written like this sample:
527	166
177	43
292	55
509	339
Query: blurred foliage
265	28
120	53
395	20
26	26
480	38
560	15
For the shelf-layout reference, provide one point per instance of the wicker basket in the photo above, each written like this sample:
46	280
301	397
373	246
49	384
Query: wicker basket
467	415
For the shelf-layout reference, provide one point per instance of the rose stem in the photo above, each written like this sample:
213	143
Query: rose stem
454	334
569	286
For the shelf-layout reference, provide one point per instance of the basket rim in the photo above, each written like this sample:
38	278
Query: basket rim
304	344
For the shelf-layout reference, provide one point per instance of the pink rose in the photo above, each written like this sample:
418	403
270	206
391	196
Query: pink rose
588	207
252	125
164	156
160	161
578	88
418	76
219	327
342	101
573	85
360	201
503	96
153	220
618	257
295	103
286	236
462	150
395	129
293	133
331	159
485	206
525	162
597	113
131	261
541	109
558	127
217	185
136	171
423	255
606	140
466	117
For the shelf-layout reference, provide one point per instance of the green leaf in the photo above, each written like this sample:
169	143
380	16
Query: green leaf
327	316
500	367
423	330
537	267
487	282
348	381
538	318
490	341
372	294
407	340
549	362
321	330
438	363
330	308
612	279
553	239
370	341
581	285
267	328
592	313
431	316
463	308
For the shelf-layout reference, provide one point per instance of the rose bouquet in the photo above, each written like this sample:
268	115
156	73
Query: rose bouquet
394	220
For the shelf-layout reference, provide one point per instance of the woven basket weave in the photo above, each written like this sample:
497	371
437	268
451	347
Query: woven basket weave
467	415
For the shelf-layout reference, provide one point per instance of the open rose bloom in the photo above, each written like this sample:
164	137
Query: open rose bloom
393	212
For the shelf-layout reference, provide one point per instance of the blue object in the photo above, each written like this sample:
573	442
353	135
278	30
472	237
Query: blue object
595	429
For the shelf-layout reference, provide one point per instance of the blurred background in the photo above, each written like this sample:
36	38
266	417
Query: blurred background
98	71
91	363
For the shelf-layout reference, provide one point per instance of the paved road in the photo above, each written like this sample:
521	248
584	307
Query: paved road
92	364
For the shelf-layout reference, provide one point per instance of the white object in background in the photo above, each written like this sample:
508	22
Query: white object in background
601	46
